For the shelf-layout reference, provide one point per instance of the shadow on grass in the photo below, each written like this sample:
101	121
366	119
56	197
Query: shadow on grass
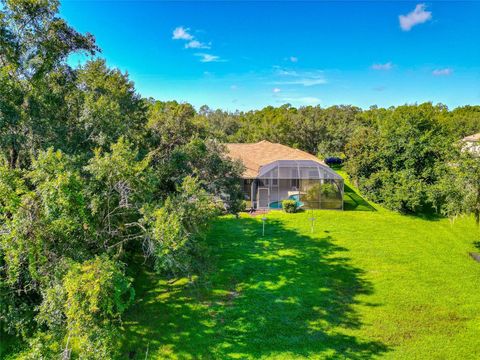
427	216
285	294
354	202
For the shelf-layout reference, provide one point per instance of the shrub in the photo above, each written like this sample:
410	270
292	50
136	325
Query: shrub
244	206
289	206
97	292
179	226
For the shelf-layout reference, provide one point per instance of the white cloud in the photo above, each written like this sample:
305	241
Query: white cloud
309	100
293	59
305	78
307	81
276	90
287	72
442	72
208	57
306	100
417	16
233	87
180	33
195	44
386	66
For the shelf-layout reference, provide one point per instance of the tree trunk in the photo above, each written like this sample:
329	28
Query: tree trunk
13	160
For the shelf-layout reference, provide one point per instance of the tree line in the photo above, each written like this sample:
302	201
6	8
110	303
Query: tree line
93	174
408	158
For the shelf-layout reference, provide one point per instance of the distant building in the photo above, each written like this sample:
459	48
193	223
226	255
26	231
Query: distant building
275	172
471	144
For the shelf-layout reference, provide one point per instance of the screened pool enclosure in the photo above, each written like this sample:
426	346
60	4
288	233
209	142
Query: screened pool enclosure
311	184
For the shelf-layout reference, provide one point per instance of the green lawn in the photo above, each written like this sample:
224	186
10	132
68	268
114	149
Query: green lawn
364	284
367	283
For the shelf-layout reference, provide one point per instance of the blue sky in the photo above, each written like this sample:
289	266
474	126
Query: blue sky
246	55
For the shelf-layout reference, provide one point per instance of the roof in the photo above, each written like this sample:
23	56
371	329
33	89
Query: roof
472	138
256	155
297	169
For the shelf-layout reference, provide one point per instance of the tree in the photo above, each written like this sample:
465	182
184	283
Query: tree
108	108
177	228
459	188
82	312
121	184
42	229
170	124
394	157
35	44
208	162
97	293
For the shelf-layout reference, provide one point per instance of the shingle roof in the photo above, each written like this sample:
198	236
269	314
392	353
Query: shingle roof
473	138
264	152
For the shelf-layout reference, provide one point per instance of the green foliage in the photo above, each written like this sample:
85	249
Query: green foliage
313	129
458	191
120	185
462	121
82	313
97	293
34	46
170	124
110	108
205	160
91	174
243	206
12	188
49	223
178	228
42	345
51	312
289	206
41	229
396	156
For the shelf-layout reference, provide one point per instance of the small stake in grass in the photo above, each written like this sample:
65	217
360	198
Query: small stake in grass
263	229
312	219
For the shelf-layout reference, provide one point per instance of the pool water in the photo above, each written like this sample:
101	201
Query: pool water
278	204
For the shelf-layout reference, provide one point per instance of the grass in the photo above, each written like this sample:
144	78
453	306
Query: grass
364	284
367	283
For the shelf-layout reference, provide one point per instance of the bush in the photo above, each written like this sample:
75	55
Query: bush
179	227
289	206
97	292
244	206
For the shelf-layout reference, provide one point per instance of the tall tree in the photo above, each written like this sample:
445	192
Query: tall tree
34	46
108	107
394	158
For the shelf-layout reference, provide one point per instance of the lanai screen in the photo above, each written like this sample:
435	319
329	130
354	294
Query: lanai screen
311	184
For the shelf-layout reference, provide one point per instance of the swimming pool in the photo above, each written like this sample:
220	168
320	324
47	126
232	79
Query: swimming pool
278	204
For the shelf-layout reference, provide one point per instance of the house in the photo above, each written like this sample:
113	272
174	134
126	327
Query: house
275	172
471	144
